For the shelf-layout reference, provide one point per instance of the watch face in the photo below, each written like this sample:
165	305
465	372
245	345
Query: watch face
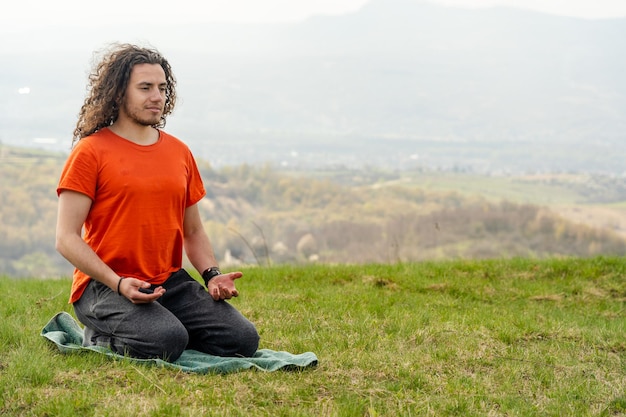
211	272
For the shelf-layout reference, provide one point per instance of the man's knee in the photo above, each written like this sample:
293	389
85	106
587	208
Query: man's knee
166	341
228	341
174	343
248	340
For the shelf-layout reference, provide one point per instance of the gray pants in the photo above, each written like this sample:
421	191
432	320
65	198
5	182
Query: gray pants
185	317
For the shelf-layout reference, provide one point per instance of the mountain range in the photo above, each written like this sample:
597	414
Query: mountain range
400	84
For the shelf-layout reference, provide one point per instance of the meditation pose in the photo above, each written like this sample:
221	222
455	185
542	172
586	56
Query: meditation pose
128	208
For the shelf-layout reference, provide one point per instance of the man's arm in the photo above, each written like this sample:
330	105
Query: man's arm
200	253
72	211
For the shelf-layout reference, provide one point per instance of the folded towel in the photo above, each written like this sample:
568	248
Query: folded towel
65	332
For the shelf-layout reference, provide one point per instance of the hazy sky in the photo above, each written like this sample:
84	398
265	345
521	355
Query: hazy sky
24	14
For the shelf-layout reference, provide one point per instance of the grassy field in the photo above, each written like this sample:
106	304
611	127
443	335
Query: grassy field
459	338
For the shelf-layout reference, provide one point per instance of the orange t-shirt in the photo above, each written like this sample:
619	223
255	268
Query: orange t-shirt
139	195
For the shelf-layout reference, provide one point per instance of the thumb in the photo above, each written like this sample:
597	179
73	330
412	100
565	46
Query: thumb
138	283
236	275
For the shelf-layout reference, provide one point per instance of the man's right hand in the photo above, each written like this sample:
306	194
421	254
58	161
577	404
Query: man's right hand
131	289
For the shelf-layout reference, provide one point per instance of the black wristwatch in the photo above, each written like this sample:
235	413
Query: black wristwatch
210	273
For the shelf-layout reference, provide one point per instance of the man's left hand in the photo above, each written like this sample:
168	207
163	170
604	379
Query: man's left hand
222	287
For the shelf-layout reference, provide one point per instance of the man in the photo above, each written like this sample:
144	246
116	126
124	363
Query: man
134	189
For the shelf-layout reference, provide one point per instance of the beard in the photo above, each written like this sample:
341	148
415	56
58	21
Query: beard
136	116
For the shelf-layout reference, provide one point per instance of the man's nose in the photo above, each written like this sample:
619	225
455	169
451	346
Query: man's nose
157	95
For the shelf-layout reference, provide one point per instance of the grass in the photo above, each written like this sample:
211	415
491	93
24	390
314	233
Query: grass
456	338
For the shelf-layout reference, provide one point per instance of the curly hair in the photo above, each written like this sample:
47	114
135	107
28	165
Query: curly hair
107	87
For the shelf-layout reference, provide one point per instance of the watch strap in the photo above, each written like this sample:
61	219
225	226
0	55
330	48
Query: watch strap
210	273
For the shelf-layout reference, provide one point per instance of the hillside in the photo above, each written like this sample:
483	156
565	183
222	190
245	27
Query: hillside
260	215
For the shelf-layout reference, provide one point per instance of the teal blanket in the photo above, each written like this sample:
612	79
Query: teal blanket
67	335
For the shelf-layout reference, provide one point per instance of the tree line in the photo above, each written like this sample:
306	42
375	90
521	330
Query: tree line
260	215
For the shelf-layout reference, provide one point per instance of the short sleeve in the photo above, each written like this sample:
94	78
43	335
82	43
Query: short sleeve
195	187
80	172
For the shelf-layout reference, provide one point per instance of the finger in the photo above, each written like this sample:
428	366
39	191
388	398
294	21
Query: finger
224	293
228	293
144	298
158	292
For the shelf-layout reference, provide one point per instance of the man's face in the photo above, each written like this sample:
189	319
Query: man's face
145	95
